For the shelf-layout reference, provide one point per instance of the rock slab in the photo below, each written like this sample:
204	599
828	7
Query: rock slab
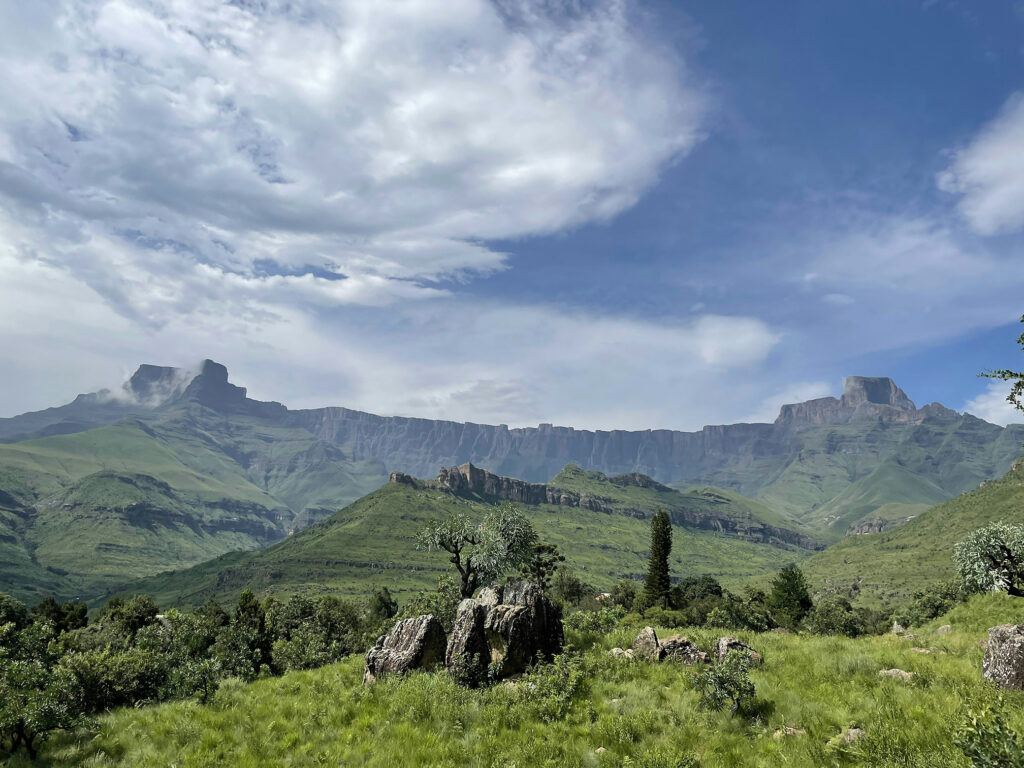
417	643
727	643
1004	656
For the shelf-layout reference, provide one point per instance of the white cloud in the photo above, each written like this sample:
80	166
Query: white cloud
988	174
991	405
382	142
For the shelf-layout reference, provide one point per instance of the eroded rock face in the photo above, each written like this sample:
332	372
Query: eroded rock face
683	649
503	630
726	644
417	643
1004	656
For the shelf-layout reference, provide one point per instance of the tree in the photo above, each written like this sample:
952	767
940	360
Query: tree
1016	396
382	605
481	551
790	598
624	593
12	611
542	564
992	559
833	615
657	584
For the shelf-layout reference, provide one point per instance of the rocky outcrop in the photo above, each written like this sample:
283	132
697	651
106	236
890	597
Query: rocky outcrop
726	644
864	397
647	646
417	643
1004	656
468	479
502	632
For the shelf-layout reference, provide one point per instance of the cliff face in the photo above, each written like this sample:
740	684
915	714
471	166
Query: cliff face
704	513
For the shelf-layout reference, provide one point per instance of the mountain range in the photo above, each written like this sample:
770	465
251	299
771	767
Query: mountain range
179	467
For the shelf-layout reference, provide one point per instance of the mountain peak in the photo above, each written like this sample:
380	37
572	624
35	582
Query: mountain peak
212	389
880	390
153	385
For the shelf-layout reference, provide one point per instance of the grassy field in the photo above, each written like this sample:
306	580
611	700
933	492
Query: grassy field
886	568
372	543
620	713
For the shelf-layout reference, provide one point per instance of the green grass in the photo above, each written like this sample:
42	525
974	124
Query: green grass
372	542
887	567
640	714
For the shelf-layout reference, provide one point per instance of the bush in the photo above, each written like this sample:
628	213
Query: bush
931	603
833	615
727	683
987	741
603	620
992	559
109	679
549	689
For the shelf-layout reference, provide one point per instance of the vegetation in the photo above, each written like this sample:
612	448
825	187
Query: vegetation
637	713
657	584
482	551
1016	396
992	559
725	684
790	598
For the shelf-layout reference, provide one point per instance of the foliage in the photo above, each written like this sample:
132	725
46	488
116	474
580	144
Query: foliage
35	700
992	559
833	615
442	602
551	689
603	620
481	551
657	583
987	740
12	612
63	616
568	588
382	605
931	603
726	683
543	563
624	593
790	597
1016	396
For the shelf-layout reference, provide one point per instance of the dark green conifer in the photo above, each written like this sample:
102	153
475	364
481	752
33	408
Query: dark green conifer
657	584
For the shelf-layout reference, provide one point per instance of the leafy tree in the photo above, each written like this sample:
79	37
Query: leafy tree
13	611
212	612
624	593
543	563
790	599
992	559
568	588
382	604
442	602
35	700
725	684
63	616
833	615
130	616
481	551
1016	396
657	584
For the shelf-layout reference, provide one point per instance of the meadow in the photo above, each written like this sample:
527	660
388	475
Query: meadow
589	709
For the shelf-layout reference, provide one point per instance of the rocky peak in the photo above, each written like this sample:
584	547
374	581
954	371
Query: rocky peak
860	390
212	389
155	384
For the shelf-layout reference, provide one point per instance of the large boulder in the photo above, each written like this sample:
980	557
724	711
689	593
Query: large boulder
502	632
646	645
417	643
726	644
1004	656
682	649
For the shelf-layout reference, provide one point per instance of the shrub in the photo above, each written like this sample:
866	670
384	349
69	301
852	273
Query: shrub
603	620
624	593
992	559
36	700
727	683
986	739
12	612
549	689
833	615
109	679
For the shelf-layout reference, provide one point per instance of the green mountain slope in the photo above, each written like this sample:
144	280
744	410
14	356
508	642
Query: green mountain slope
372	542
889	566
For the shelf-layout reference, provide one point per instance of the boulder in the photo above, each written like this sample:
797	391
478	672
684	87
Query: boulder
646	645
417	643
682	649
852	735
945	629
897	628
726	644
619	653
898	674
503	631
1004	656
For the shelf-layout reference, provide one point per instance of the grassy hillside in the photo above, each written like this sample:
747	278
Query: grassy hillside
372	542
101	506
889	566
607	712
838	476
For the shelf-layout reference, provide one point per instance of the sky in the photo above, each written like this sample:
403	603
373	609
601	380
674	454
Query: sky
598	213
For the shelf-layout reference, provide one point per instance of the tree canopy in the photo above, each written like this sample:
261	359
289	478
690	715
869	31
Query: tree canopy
992	559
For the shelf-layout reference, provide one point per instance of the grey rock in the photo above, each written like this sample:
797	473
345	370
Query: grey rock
646	645
898	674
417	643
726	644
1004	656
682	649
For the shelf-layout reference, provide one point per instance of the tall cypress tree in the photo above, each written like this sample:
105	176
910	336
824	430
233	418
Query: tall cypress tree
657	585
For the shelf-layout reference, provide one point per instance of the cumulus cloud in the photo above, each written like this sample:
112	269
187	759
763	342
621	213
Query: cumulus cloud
346	152
988	173
992	406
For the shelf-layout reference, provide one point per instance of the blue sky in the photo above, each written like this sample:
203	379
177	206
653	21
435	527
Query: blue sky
601	214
